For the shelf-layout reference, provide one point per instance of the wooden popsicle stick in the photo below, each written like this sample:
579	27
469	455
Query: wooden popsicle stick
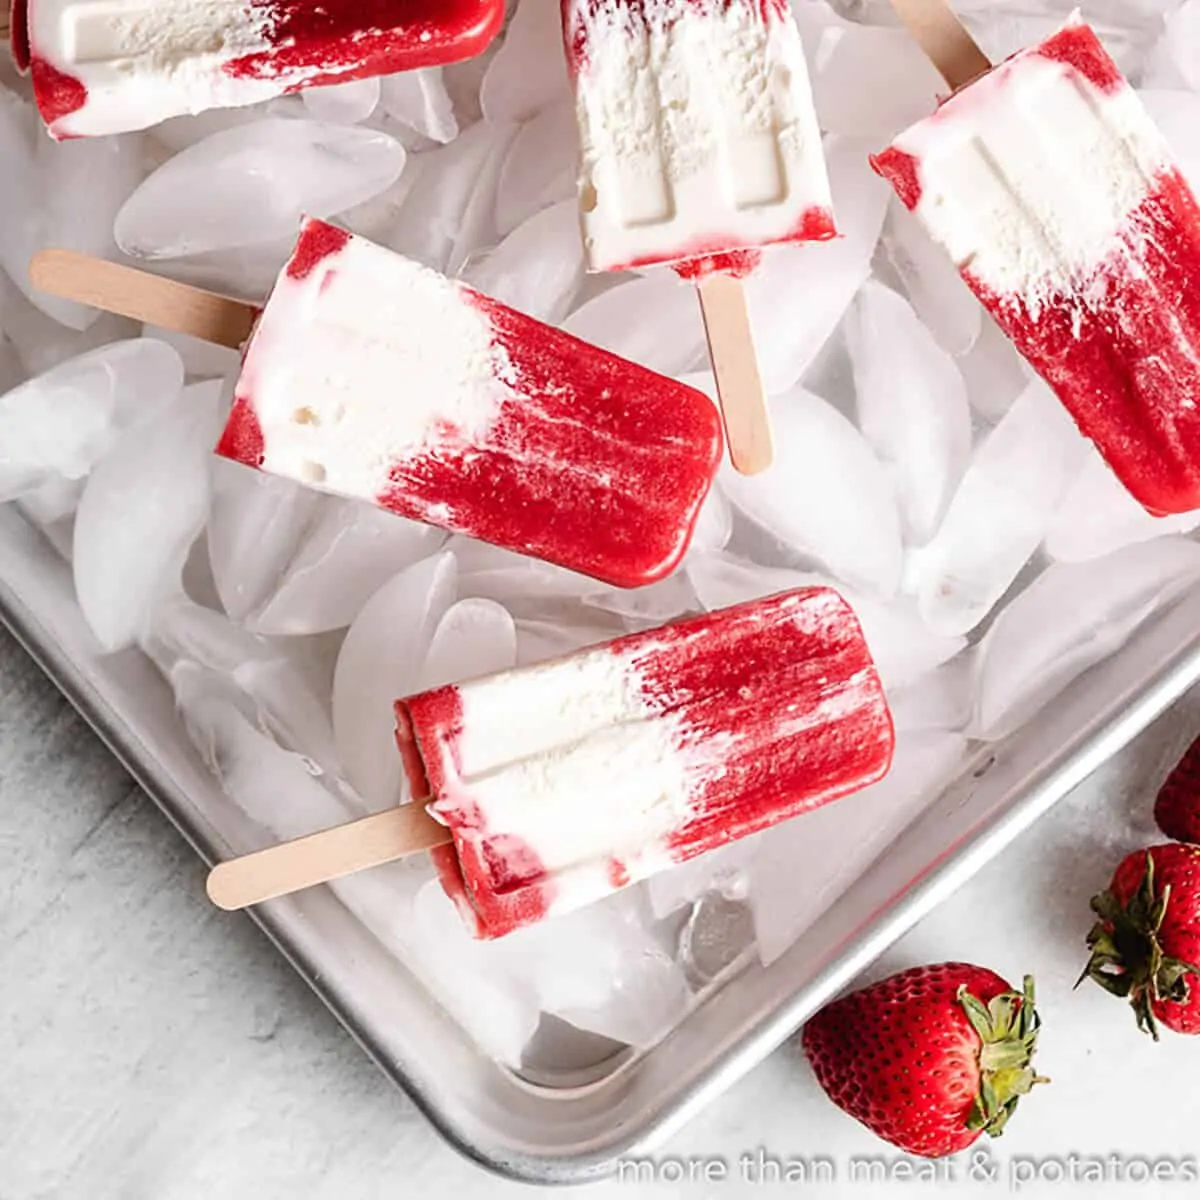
735	367
945	40
144	297
4	24
320	857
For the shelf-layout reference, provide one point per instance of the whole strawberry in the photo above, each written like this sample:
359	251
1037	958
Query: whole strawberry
1177	809
1146	944
928	1059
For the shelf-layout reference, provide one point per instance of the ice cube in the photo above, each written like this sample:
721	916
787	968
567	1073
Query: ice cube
201	360
994	372
41	342
1001	511
905	86
1099	516
59	425
255	532
718	932
517	582
903	648
1177	114
827	495
106	170
603	969
539	640
1181	41
529	70
1073	616
475	637
538	268
349	551
714	524
143	507
653	319
273	786
247	272
471	979
264	679
254	183
539	169
12	371
940	699
419	100
912	406
343	103
52	502
654	604
721	871
801	867
40	193
799	293
935	288
381	662
453	186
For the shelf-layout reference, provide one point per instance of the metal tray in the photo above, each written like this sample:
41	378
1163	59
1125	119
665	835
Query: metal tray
562	1135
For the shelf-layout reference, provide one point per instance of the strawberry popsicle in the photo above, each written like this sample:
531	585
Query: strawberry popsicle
698	135
698	145
564	781
108	66
373	377
1061	204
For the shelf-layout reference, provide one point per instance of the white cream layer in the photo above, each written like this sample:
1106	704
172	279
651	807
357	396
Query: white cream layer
696	125
143	61
576	761
368	361
1030	173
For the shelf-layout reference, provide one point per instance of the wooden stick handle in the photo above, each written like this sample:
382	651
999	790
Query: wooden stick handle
144	297
4	23
735	367
944	39
320	857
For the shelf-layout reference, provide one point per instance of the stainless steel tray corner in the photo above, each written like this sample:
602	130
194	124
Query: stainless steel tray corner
575	1135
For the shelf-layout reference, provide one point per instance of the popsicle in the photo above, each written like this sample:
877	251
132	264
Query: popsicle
373	377
699	145
1060	202
110	66
551	786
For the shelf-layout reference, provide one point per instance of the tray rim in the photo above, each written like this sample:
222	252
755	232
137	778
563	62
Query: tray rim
1055	779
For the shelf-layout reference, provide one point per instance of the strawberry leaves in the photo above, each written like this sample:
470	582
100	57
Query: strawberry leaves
1127	957
1008	1028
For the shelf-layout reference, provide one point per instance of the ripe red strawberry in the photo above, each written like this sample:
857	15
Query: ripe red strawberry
1146	944
930	1058
1177	809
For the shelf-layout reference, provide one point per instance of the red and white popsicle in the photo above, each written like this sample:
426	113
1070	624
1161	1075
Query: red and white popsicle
1060	202
109	66
373	377
698	145
554	785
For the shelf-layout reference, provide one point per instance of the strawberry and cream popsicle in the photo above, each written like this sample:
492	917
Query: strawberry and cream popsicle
698	136
563	782
109	66
373	377
1062	206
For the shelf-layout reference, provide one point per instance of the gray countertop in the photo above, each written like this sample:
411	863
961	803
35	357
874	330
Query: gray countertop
151	1047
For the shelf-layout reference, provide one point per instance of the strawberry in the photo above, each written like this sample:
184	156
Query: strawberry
928	1059
1146	944
1177	809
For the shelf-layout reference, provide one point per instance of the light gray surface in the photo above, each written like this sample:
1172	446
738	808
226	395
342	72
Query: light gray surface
152	1047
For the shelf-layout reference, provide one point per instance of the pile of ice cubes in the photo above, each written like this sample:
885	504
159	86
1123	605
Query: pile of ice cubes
921	468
